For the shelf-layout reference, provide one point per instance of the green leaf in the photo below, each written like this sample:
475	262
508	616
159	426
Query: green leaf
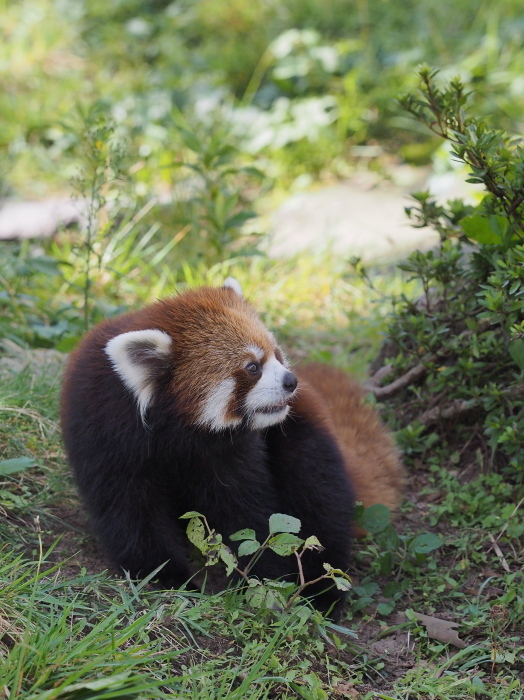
499	225
256	593
229	559
191	514
8	498
342	583
45	264
248	547
385	563
279	522
391	589
388	539
196	532
285	544
10	466
516	350
385	608
482	229
190	140
423	544
68	343
375	518
313	543
239	219
245	534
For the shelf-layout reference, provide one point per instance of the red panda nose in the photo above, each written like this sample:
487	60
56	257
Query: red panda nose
289	382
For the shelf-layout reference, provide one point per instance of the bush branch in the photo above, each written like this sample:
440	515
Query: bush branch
461	406
411	376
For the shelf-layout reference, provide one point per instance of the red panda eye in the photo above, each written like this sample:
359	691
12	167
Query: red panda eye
253	368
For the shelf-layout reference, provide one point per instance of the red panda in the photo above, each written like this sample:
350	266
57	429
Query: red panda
189	405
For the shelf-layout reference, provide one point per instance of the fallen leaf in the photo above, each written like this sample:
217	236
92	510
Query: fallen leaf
441	630
347	689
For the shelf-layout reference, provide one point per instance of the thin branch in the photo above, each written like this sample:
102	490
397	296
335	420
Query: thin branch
411	376
373	382
417	372
303	587
300	569
461	406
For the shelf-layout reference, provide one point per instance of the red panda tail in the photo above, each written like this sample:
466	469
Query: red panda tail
372	459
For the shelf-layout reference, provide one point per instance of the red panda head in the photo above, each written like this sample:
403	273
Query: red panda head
211	352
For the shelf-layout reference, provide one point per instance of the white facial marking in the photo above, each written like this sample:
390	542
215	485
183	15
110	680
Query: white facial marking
232	283
268	393
256	351
215	407
265	420
136	373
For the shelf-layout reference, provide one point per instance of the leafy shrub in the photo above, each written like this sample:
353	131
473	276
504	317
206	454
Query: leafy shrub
457	352
282	539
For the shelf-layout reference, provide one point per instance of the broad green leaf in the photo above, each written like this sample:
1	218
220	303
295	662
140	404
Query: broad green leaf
485	230
423	544
274	601
313	543
191	514
10	466
388	539
375	518
255	594
248	547
390	589
285	544
245	534
516	350
385	563
385	608
196	532
279	522
342	583
229	559
499	225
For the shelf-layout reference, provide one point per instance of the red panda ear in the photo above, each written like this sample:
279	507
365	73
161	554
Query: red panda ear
139	357
232	283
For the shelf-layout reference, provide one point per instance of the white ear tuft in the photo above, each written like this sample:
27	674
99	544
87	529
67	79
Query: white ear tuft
232	283
138	357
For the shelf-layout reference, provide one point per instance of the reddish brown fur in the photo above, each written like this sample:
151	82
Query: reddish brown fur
194	376
372	459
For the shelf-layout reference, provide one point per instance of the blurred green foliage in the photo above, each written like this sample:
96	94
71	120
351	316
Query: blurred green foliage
299	83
